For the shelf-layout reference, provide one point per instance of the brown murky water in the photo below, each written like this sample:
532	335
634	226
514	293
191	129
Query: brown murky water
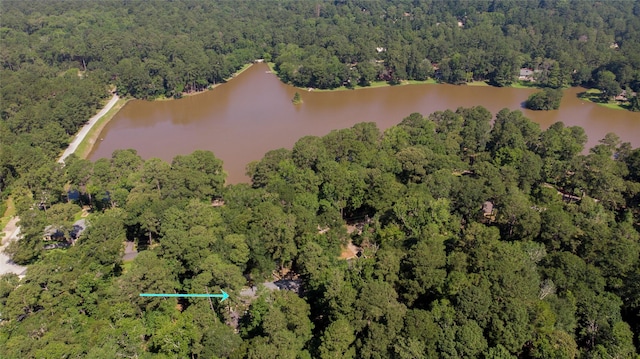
241	120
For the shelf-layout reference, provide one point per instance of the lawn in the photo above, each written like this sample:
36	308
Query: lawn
478	83
524	85
8	213
594	95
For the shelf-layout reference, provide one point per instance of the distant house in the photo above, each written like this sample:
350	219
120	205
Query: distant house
622	96
526	74
78	227
52	233
218	202
73	195
488	211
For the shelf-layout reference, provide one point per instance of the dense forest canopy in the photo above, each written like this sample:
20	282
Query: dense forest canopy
58	57
472	239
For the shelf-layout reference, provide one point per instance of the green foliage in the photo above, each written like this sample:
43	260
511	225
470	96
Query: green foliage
607	84
552	272
436	277
548	99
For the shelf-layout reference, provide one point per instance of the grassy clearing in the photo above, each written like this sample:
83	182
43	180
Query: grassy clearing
614	106
524	85
8	213
429	81
594	96
84	148
478	84
126	266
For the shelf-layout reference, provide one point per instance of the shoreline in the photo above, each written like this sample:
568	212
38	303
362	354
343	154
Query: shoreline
430	81
374	84
80	137
85	146
209	88
590	94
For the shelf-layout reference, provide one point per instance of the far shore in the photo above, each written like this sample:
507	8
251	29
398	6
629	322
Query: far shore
593	96
86	145
210	87
373	84
431	81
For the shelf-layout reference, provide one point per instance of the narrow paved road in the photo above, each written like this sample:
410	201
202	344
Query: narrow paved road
85	129
130	251
11	233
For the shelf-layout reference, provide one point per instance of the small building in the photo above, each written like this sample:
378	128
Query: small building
488	211
487	208
622	96
78	227
73	195
52	233
526	74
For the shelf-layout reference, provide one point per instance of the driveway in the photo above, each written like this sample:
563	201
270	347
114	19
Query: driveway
10	233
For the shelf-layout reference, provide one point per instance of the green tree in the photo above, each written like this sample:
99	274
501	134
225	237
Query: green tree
296	99
606	82
337	341
548	99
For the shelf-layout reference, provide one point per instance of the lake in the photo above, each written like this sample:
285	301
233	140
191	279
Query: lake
243	119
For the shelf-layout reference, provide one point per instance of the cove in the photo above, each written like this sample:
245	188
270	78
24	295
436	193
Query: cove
243	119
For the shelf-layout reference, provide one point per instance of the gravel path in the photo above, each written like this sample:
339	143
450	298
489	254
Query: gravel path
10	233
85	129
130	252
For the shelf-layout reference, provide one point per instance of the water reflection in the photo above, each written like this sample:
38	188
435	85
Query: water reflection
241	120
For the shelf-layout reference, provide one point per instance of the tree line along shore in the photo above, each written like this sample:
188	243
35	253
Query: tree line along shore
60	59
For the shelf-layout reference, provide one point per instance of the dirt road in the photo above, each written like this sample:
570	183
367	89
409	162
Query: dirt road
85	129
11	233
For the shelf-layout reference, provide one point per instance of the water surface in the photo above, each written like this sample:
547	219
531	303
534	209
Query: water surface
241	120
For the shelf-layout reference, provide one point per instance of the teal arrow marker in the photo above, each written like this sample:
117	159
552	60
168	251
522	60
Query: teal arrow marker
224	295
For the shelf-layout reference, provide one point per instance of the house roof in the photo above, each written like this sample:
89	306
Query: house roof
487	207
526	72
